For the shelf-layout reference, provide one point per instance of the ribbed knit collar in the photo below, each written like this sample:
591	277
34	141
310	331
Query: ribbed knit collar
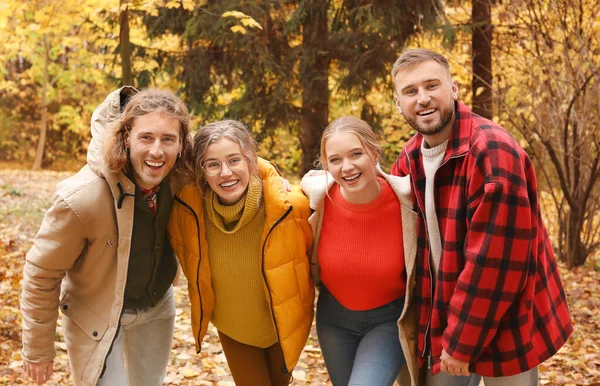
384	194
230	218
433	152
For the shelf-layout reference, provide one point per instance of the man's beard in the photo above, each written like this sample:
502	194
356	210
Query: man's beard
446	116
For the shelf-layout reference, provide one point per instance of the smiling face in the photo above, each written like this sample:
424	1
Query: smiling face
154	142
425	96
230	185
352	166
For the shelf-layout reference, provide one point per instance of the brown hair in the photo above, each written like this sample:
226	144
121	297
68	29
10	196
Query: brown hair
211	133
414	56
354	125
116	154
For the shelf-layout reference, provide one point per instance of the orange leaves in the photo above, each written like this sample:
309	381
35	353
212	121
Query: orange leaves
578	363
24	196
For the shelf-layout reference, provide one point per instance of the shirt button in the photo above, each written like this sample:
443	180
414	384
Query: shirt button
95	333
65	307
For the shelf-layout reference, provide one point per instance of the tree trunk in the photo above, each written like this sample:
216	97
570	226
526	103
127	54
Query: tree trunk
39	153
314	76
124	44
575	249
482	58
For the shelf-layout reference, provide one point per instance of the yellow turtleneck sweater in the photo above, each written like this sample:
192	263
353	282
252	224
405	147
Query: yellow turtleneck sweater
233	232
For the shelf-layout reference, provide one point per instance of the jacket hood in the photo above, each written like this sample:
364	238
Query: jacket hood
102	118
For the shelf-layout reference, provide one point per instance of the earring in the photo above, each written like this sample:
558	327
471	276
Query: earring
179	155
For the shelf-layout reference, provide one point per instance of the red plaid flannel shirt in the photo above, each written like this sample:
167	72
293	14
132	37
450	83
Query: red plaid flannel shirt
499	303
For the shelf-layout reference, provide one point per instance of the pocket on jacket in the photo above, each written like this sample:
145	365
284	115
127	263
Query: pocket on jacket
108	245
84	317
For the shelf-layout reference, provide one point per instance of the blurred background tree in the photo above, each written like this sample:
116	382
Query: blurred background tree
288	68
282	64
548	89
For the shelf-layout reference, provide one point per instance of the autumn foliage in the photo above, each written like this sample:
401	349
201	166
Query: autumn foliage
286	69
24	197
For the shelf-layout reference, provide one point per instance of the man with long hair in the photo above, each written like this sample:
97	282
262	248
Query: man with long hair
102	255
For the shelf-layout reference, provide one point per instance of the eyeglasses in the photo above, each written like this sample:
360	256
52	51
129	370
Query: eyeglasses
213	168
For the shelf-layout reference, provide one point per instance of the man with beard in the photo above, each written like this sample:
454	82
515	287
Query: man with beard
491	303
102	255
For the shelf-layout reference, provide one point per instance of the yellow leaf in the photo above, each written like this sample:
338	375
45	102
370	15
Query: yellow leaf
190	6
207	363
236	14
190	373
250	22
239	28
173	4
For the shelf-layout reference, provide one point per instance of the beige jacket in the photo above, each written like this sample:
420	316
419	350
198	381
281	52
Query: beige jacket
79	261
316	188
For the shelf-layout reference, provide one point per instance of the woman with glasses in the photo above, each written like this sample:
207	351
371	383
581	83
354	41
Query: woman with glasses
243	242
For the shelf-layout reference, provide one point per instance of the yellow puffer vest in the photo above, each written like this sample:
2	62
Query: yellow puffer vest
286	241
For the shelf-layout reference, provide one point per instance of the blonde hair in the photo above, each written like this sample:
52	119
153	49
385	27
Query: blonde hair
234	131
356	126
116	152
414	56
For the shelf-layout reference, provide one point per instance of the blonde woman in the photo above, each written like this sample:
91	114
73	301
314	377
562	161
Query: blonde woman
363	260
243	243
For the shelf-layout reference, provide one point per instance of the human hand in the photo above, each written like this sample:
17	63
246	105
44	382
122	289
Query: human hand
39	372
453	366
286	184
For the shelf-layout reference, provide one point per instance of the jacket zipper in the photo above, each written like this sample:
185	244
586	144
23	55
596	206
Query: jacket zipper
122	196
284	369
179	200
112	343
430	311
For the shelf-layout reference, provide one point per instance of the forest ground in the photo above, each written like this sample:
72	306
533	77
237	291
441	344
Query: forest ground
24	198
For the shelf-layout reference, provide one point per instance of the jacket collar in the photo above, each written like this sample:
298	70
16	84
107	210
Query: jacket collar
275	197
121	187
459	141
316	187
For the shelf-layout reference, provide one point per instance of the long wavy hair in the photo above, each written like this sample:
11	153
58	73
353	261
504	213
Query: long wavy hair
116	152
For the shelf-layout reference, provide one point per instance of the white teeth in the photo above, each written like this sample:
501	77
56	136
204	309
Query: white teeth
352	178
426	112
228	184
154	164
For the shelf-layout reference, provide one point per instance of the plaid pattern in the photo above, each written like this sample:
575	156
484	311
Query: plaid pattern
499	303
150	195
